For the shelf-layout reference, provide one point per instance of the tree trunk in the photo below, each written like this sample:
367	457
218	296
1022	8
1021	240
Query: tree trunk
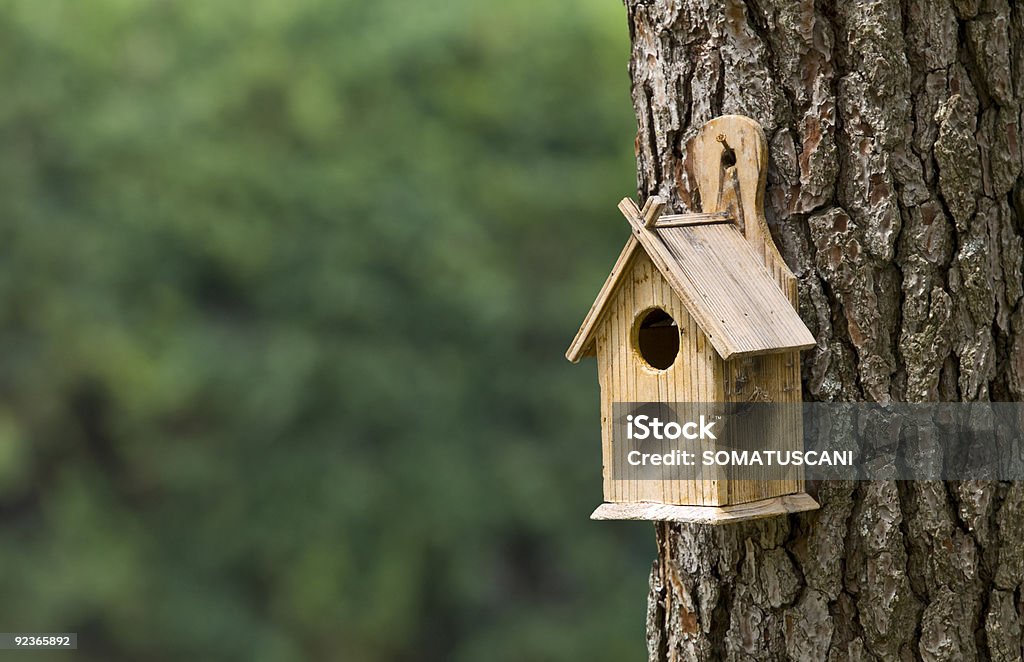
895	194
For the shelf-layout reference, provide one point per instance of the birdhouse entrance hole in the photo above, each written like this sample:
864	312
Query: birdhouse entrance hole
657	339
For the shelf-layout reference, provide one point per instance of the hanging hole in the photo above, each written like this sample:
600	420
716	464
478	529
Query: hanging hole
657	339
728	156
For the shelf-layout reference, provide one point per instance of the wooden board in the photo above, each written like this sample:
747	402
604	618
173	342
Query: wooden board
677	220
659	512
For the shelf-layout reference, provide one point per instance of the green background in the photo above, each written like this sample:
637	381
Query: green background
286	287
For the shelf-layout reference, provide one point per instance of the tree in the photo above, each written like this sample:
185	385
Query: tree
895	194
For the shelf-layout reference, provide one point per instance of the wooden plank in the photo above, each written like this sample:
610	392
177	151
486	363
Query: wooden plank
736	288
605	380
682	220
660	512
652	210
702	390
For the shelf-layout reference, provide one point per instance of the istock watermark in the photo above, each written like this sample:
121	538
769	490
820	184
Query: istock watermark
643	426
821	441
764	458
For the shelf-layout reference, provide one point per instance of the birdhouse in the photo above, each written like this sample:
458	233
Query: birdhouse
700	308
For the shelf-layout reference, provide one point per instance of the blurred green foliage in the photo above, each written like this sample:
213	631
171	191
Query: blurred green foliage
285	290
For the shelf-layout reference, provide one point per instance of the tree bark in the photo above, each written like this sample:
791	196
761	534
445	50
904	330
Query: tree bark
895	194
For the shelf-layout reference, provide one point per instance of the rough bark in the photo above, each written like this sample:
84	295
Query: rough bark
895	194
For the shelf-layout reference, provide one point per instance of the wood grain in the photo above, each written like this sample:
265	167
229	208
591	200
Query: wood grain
660	512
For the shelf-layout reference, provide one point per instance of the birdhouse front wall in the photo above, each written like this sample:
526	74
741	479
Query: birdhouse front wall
625	377
697	374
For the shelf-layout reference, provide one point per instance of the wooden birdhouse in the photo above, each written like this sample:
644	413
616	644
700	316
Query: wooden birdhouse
701	308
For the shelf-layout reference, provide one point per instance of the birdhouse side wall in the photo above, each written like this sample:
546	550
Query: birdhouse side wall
767	378
696	375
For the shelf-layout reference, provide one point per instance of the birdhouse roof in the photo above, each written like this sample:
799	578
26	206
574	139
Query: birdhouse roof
720	279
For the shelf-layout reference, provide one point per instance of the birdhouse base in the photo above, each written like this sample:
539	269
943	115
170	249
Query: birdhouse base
662	512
